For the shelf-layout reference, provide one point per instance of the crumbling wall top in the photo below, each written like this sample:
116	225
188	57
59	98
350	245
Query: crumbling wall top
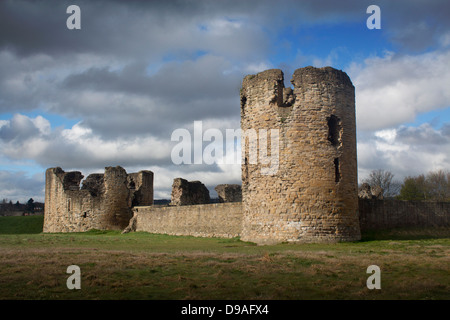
94	183
70	180
301	76
271	74
325	75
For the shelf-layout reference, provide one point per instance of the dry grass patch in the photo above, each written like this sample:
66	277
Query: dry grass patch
145	266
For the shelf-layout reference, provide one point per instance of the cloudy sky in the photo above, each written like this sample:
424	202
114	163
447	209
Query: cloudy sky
113	92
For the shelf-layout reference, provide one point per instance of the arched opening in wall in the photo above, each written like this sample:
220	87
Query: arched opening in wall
334	130
337	174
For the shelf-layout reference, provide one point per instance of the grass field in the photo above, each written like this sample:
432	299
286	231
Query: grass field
414	264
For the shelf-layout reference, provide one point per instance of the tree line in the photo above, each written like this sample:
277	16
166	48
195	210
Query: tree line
31	207
433	186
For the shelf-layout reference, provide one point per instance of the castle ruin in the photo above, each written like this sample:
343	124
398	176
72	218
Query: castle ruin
103	202
312	196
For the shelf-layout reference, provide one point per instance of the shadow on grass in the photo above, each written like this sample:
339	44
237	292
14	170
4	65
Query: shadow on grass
406	234
21	224
34	225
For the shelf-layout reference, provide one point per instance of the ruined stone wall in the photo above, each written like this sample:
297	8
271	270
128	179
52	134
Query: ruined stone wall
188	193
377	214
141	187
310	193
226	219
205	220
229	192
102	202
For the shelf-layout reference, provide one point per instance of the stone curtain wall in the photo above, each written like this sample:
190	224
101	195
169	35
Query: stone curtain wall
225	219
203	220
390	214
313	196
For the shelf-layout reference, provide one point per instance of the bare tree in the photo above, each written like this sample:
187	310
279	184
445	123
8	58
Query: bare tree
385	180
438	185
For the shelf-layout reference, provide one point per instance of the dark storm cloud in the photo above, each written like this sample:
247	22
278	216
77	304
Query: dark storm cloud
195	89
132	28
202	78
199	51
31	27
417	24
98	73
141	33
149	28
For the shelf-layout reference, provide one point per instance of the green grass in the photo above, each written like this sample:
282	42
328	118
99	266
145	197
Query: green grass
21	224
414	265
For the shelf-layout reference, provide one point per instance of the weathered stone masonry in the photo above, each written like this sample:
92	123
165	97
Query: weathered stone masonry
313	194
203	220
225	219
104	201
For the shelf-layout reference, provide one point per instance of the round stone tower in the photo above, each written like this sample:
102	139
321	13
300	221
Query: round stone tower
299	169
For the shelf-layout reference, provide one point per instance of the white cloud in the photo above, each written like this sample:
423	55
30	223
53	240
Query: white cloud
387	135
221	26
32	138
395	89
42	124
253	68
79	148
405	150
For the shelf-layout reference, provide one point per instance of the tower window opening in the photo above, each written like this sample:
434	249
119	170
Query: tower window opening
337	173
334	129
